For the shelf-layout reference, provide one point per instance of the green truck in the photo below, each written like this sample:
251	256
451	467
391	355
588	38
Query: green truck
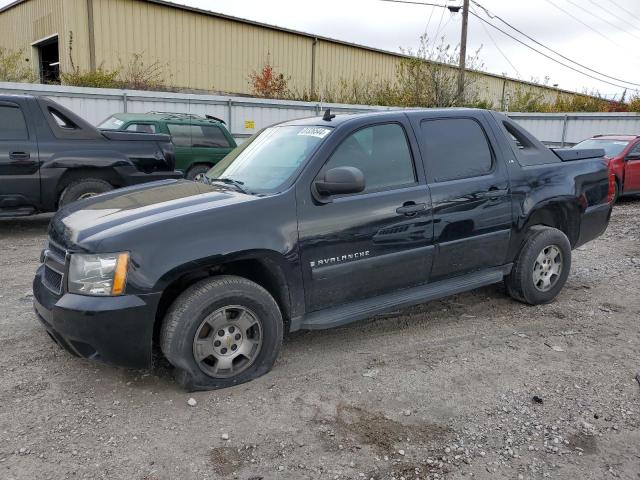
200	141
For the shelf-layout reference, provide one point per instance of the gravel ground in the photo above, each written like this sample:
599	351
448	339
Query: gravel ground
474	385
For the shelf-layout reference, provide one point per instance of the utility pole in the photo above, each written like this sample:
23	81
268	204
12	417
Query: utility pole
463	50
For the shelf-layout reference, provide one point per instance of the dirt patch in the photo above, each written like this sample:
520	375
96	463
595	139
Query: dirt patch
376	430
586	443
225	460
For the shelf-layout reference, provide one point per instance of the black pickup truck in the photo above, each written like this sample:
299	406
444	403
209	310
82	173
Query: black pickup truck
50	157
313	224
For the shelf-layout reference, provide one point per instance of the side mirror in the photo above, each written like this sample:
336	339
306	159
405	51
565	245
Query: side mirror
340	181
633	156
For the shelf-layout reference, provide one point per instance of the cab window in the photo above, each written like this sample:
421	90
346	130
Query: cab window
141	128
198	136
381	152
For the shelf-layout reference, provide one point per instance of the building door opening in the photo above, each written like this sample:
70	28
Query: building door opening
49	60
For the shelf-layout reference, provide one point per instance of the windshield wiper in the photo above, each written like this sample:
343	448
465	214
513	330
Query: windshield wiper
229	181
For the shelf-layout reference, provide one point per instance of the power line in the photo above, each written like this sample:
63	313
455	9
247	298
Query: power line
498	48
631	14
490	15
544	54
585	24
439	24
426	29
419	3
617	18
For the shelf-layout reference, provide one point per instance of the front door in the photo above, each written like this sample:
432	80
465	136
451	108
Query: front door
632	170
19	168
470	195
374	242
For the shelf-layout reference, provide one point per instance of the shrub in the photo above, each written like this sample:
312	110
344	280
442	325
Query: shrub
13	67
268	83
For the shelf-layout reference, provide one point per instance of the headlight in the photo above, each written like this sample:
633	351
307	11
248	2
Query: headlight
104	274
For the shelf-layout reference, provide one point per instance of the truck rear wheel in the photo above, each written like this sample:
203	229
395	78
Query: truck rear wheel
221	332
81	189
194	171
542	267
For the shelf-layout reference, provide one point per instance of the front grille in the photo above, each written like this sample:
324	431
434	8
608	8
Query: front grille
54	266
52	279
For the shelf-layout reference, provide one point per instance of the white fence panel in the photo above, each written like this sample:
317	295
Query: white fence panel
246	115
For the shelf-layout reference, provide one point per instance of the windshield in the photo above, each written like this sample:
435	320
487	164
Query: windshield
111	123
611	148
268	160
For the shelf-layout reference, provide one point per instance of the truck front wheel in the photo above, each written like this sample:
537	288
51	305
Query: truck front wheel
221	332
542	267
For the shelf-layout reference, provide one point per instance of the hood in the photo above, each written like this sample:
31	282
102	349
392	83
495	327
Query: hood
112	213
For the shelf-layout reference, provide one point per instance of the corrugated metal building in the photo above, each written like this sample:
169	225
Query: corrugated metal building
202	50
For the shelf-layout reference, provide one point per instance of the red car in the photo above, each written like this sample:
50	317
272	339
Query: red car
623	153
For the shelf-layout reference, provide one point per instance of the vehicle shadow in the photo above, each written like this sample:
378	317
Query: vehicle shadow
35	224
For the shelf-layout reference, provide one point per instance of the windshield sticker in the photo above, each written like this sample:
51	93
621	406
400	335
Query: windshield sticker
315	132
618	142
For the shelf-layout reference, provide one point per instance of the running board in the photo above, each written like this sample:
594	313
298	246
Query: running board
344	314
16	212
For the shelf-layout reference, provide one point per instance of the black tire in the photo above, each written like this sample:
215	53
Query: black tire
196	170
616	192
520	282
81	189
187	315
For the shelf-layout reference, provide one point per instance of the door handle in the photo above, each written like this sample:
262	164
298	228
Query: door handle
494	193
411	208
19	156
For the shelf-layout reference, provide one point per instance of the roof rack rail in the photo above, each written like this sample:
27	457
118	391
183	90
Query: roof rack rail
175	115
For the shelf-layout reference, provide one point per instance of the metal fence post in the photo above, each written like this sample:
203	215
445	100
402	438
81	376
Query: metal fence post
564	130
229	110
124	102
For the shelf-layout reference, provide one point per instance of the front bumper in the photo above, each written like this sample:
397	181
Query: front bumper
594	223
112	330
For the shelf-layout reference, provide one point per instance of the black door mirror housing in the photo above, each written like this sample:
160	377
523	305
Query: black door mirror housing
633	156
340	181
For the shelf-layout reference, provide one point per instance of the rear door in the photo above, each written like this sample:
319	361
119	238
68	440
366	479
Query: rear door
469	192
181	137
19	166
632	170
209	144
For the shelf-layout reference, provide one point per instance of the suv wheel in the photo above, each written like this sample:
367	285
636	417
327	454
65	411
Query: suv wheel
194	171
542	267
220	332
82	189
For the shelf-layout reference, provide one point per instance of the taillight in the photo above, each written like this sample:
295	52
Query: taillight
612	187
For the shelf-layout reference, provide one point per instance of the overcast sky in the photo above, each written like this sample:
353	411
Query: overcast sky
602	34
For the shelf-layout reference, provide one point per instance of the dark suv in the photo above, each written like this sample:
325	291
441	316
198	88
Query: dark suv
200	141
312	224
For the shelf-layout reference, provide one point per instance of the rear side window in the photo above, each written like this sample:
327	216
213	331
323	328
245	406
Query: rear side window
382	154
141	128
12	124
455	148
213	137
208	136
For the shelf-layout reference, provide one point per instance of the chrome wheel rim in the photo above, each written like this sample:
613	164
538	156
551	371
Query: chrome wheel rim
87	195
547	268
227	342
